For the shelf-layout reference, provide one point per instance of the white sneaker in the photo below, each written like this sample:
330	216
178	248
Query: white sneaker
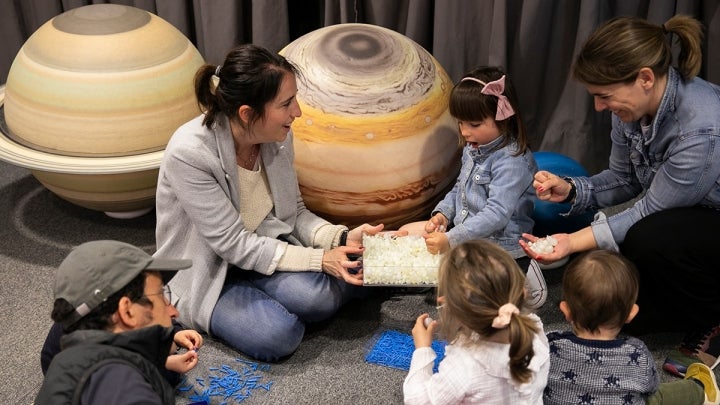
535	288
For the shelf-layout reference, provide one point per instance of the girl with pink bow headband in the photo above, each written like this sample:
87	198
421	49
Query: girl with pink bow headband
497	353
492	198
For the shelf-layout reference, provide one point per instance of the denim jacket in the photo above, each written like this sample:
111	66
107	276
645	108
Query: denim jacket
676	162
492	198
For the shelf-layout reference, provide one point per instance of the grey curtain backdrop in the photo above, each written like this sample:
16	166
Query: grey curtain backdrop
534	40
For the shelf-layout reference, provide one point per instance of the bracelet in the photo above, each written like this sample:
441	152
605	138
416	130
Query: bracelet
573	191
343	238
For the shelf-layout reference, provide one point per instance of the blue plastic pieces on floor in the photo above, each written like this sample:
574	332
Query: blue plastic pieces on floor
228	385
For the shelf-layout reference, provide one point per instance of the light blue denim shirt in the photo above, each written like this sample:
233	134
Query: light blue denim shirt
676	161
492	198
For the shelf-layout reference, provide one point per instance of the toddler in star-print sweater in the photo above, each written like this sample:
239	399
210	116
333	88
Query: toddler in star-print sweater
594	364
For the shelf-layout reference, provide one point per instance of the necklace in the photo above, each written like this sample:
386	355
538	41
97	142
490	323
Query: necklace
249	163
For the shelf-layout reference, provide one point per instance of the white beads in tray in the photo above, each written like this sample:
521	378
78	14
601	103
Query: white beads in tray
405	261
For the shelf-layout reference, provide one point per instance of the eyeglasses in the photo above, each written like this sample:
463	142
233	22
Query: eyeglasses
166	293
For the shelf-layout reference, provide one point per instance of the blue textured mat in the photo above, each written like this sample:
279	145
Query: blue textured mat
394	349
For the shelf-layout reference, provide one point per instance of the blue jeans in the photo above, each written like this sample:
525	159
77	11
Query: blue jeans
264	316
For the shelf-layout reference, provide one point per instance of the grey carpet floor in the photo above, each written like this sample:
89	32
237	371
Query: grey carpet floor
37	230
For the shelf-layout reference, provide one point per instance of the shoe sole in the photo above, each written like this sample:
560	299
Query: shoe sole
678	361
534	272
675	368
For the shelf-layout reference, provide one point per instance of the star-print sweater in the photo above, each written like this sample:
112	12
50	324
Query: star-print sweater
586	372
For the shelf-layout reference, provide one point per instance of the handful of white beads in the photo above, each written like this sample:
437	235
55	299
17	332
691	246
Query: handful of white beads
405	260
543	245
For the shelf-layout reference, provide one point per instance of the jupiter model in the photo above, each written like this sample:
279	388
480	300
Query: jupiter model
376	142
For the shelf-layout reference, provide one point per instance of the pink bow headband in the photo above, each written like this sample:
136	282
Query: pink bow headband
505	313
496	88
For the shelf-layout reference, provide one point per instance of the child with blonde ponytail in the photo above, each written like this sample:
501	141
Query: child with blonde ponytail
497	352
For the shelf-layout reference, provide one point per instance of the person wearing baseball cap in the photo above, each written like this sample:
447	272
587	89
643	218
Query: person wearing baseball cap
116	314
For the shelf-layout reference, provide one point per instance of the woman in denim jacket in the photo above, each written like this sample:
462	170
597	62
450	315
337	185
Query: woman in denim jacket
493	196
666	153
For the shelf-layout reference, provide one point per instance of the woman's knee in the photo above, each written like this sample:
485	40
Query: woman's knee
263	339
256	324
322	301
641	232
280	341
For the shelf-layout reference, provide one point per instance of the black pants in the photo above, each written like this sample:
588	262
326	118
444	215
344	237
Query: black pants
677	254
523	263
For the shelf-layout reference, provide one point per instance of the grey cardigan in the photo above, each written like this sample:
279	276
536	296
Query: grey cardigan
197	204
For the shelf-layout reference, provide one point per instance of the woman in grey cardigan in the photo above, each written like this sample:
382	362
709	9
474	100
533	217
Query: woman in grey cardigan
228	197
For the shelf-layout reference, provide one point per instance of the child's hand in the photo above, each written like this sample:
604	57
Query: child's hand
436	242
189	339
355	235
182	363
438	223
422	335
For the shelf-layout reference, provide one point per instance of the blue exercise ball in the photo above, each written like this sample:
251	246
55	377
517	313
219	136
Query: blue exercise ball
548	220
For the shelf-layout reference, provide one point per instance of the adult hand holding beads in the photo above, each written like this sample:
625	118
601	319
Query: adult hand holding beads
189	339
543	245
182	362
540	248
